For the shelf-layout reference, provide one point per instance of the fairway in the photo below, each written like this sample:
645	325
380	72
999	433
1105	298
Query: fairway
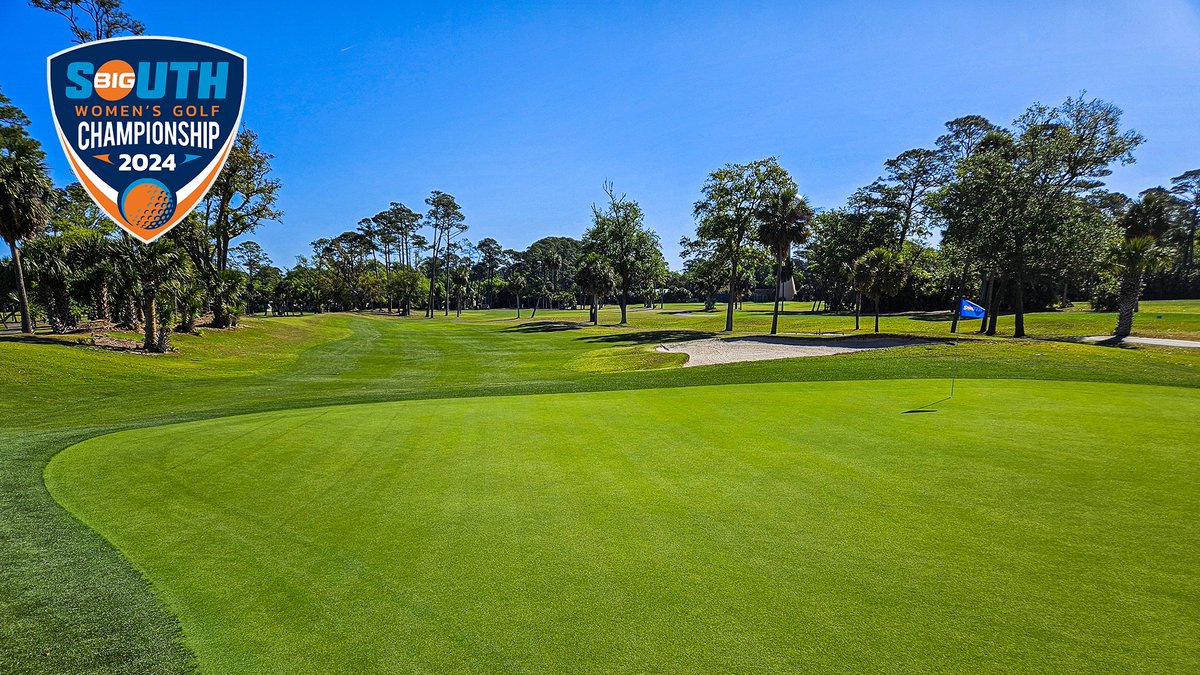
1026	525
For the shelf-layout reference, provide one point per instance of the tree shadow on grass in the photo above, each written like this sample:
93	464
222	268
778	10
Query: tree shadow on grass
80	340
1111	342
41	339
793	309
545	327
937	317
648	337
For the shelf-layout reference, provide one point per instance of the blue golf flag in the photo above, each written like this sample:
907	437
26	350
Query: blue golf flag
969	310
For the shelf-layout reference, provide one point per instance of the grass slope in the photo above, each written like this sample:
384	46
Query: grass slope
771	527
70	603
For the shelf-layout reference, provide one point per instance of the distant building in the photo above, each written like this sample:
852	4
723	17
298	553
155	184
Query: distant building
787	291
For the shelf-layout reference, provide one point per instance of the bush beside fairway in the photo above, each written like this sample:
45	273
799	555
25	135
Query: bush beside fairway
695	529
70	603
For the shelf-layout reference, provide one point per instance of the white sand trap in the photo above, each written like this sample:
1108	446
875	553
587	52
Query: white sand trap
712	351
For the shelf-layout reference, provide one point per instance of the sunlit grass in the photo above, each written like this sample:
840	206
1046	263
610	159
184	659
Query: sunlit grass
781	527
71	603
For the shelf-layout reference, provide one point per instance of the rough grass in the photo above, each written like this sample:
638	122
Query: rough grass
769	527
70	603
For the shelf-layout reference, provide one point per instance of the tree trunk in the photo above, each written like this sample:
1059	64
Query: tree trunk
59	311
595	310
1131	288
151	321
733	267
876	315
22	294
778	283
1019	304
221	317
54	315
994	312
962	289
1190	251
624	305
133	312
429	311
985	299
387	276
103	311
518	305
162	343
857	309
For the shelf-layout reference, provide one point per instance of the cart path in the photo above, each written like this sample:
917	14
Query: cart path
1159	342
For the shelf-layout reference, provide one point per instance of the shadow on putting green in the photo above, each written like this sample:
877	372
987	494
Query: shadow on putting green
927	408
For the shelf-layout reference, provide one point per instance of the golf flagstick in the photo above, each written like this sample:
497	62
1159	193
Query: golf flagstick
966	310
954	372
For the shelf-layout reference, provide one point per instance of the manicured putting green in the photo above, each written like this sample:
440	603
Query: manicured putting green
1044	526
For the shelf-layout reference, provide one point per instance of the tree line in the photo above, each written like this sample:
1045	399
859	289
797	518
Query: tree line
1023	219
70	267
1021	215
401	259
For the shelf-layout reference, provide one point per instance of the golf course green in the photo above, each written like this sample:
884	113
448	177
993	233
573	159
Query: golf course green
771	527
350	492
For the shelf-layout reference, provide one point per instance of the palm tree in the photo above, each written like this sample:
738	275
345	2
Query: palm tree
25	197
879	272
48	264
860	280
517	284
1132	259
90	252
783	222
148	269
597	279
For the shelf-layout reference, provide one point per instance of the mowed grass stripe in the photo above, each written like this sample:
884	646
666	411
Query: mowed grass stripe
1025	526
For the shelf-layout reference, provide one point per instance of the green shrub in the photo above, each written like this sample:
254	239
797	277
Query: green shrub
1106	294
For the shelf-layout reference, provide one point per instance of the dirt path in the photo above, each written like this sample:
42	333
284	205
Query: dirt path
712	351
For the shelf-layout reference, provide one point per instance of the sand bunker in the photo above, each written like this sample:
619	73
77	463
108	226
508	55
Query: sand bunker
712	351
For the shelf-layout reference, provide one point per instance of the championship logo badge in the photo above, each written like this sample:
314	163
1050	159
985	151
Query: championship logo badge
147	123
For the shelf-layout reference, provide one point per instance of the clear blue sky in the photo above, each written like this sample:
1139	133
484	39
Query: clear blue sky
521	110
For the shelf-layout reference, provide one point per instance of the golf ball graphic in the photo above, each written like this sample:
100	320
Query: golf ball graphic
147	204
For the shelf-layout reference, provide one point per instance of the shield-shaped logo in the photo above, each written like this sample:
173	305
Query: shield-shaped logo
147	123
